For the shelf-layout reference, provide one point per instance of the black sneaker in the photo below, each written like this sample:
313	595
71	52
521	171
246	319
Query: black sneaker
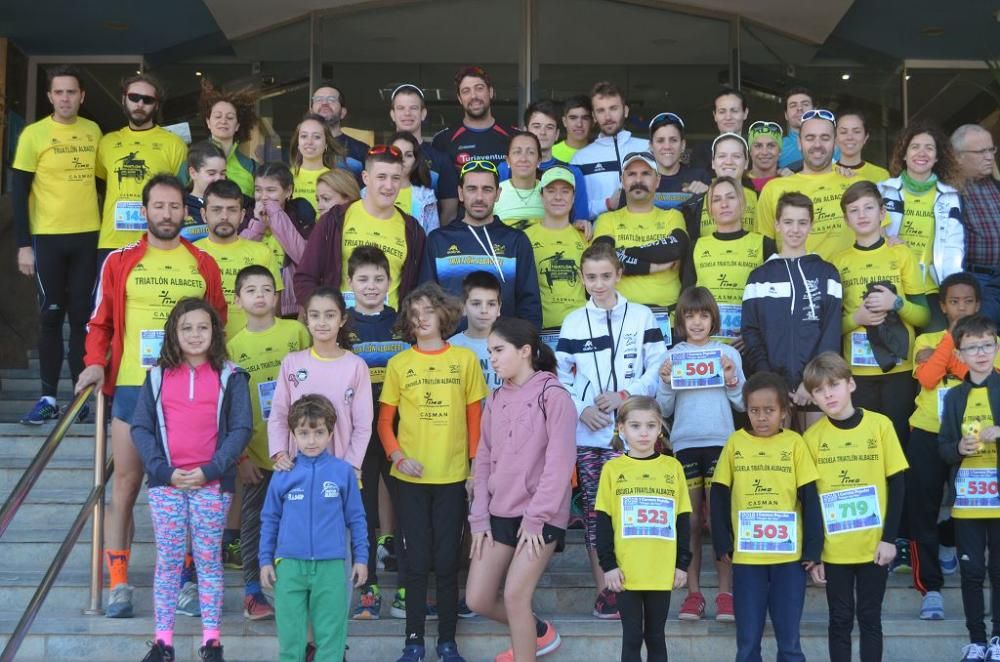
211	652
901	564
159	652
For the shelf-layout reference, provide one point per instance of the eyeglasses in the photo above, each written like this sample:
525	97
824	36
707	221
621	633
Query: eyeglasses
761	126
985	151
473	166
135	97
333	98
666	118
985	348
821	113
382	149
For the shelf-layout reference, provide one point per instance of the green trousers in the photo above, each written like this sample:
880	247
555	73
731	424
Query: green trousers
311	592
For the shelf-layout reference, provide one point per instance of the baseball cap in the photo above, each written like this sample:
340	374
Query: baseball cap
639	156
558	174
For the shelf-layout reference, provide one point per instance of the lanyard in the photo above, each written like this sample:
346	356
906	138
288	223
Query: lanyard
490	252
613	377
618	156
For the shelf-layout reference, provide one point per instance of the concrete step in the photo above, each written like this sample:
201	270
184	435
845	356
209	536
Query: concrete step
32	383
30	372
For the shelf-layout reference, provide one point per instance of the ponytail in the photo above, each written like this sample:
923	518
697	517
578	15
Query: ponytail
519	332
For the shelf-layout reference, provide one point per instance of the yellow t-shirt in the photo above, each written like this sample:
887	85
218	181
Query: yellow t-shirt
231	258
749	213
871	172
363	229
859	267
829	234
930	403
917	230
764	475
260	353
643	499
431	391
152	288
723	266
126	160
976	480
629	230
557	262
853	466
305	184
63	158
404	200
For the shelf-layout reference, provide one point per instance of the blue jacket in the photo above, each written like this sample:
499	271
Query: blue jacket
307	512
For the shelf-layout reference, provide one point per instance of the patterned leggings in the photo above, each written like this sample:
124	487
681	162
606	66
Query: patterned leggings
589	462
175	513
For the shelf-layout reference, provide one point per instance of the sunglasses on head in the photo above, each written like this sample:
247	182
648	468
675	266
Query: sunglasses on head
761	126
135	97
821	113
473	166
382	149
666	118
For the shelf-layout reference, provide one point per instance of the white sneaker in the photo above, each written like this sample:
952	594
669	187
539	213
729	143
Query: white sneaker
120	602
972	652
993	650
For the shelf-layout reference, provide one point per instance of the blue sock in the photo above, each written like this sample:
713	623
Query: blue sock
252	588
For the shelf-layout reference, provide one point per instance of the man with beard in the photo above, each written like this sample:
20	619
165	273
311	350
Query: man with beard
328	102
601	160
479	137
130	157
223	212
820	181
139	286
479	241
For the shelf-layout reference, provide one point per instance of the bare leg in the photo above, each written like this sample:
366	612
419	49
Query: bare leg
522	578
126	481
486	573
595	568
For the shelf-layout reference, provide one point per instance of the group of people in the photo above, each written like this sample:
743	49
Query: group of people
495	325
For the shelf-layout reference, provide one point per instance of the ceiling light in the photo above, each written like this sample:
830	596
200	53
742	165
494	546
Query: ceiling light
845	76
197	73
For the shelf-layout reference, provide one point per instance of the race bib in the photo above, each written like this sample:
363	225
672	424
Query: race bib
129	216
663	321
976	488
730	320
767	532
550	338
150	343
648	517
852	509
698	369
265	392
861	350
940	395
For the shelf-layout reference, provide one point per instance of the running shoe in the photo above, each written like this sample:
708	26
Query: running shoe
385	553
369	607
545	644
413	653
724	608
159	652
232	557
901	564
187	602
448	652
973	652
993	650
464	611
44	410
693	607
257	608
932	607
211	652
606	606
120	602
398	608
948	558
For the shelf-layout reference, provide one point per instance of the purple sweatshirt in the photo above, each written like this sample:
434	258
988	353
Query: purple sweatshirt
526	455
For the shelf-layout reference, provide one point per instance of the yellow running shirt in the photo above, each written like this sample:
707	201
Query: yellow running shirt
561	151
976	481
260	353
629	230
930	403
853	466
723	266
643	499
231	258
431	391
557	261
305	184
152	288
764	475
707	225
126	160
871	172
917	230
363	229
63	158
829	234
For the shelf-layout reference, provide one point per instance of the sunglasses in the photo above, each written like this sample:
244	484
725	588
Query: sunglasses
761	126
333	98
383	149
821	113
135	97
473	166
666	118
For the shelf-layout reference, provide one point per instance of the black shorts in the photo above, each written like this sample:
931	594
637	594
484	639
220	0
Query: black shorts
504	530
699	465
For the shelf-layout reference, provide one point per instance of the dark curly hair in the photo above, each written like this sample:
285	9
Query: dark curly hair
946	168
171	355
243	100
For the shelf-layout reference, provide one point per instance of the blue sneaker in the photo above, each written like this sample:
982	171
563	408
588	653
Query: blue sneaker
448	652
948	558
932	607
120	602
44	410
413	653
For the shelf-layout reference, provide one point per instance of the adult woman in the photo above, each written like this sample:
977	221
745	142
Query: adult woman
416	197
679	182
230	118
729	159
765	146
520	198
313	151
852	136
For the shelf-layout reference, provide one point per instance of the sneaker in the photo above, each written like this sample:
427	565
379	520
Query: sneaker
187	601
464	611
211	652
693	607
606	606
159	652
901	564
413	653
932	607
575	512
545	644
431	612
993	650
972	652
120	602
41	412
448	652
385	553
724	608
948	558
369	607
257	608
232	557
398	608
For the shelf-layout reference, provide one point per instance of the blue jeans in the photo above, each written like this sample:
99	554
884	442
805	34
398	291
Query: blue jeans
761	589
990	283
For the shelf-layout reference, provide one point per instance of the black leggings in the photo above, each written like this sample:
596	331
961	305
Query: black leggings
855	591
374	467
644	619
65	270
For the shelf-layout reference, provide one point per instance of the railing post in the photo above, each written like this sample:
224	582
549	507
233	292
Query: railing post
97	520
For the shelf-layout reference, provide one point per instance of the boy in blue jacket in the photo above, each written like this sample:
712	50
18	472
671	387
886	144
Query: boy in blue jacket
303	532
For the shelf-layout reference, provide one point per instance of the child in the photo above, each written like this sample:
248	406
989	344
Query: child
259	349
520	507
696	445
205	164
437	389
968	443
374	340
643	529
481	302
203	400
608	350
860	465
336	187
766	519
302	539
792	306
938	368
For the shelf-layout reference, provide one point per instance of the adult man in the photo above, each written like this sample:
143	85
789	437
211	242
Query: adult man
139	286
479	137
130	157
819	181
601	160
57	222
328	101
479	241
223	212
372	221
408	113
578	119
729	110
981	208
797	101
650	241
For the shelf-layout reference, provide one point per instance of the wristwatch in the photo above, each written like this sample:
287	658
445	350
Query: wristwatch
897	305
